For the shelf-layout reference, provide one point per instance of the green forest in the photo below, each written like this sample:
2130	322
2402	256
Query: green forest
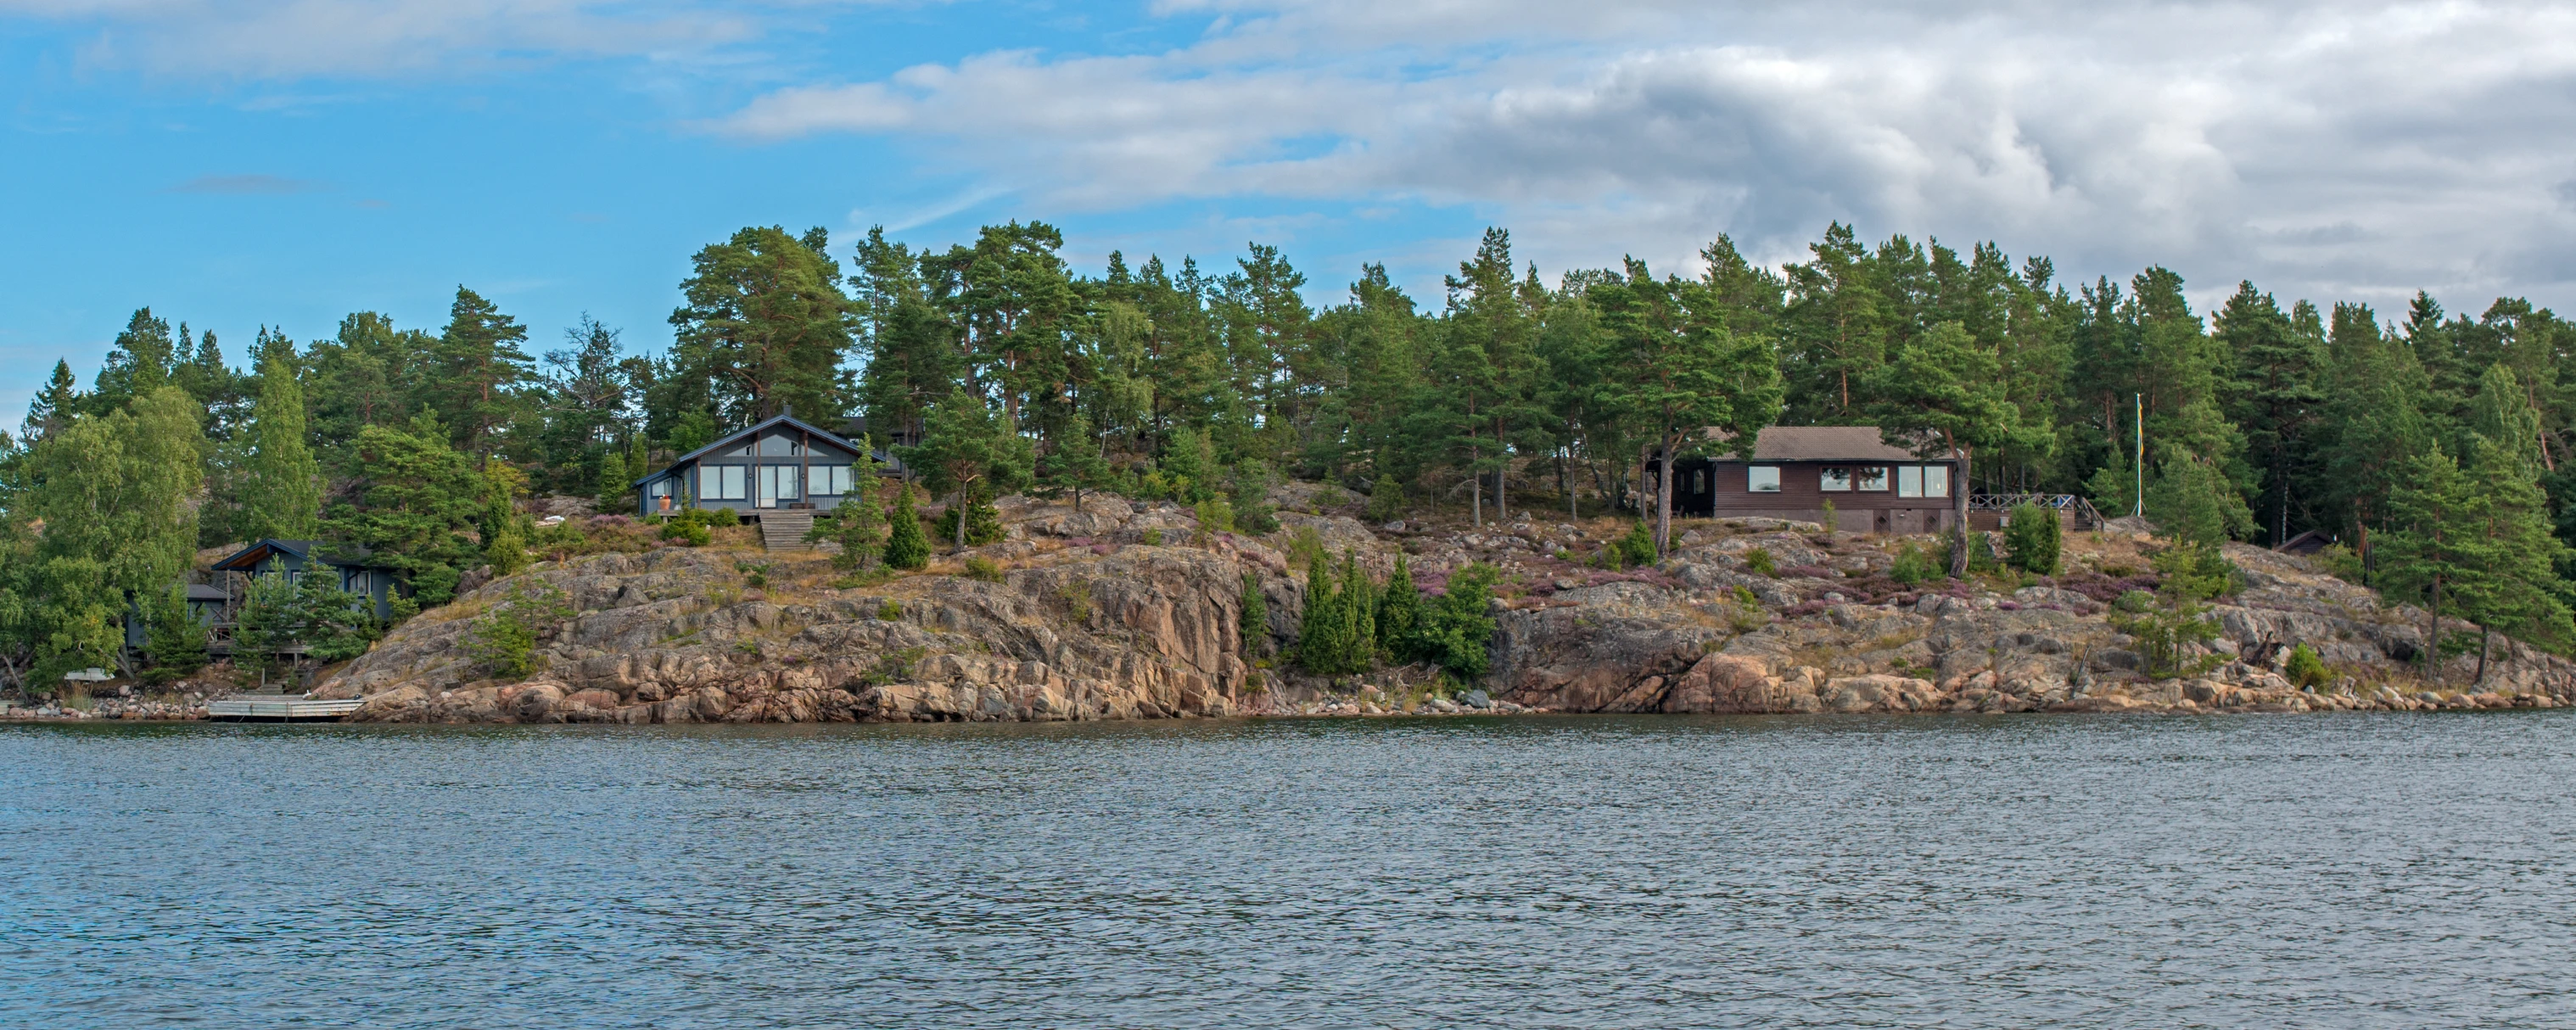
2429	442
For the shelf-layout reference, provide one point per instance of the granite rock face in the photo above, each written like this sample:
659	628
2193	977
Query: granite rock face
672	636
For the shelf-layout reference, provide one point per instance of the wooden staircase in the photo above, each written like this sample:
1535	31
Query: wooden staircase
784	529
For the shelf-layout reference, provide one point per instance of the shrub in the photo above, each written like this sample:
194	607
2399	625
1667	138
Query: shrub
1760	562
1215	515
889	610
753	574
1635	548
687	531
504	639
2031	541
1457	632
2304	668
983	521
1912	567
983	569
720	516
1826	515
2339	561
1153	537
1386	499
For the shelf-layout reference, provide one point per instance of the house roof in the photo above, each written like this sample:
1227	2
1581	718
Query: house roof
1824	443
205	592
258	551
720	442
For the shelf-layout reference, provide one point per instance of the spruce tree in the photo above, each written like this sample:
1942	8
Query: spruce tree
1399	613
1320	645
54	405
907	547
281	492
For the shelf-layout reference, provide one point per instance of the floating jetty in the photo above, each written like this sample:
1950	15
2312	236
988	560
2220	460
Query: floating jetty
280	708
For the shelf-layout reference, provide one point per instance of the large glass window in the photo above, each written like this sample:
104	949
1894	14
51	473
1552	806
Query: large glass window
1873	477
1936	481
659	487
1834	479
827	480
721	483
1762	479
1909	481
781	446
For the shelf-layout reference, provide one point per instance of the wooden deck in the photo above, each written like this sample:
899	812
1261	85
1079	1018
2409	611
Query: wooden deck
279	708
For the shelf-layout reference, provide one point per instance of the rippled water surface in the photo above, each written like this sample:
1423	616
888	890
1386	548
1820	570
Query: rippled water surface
2302	871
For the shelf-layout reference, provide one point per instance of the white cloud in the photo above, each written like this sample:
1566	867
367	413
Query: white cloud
2334	148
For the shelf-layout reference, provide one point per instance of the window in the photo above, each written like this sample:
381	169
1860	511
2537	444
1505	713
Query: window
1873	477
1909	481
721	483
1699	481
827	480
659	487
1762	479
781	446
1936	481
1834	479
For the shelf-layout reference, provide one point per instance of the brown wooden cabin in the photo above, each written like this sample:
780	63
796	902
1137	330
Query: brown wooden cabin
1875	488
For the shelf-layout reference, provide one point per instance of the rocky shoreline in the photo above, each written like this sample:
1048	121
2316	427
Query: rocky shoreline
1128	611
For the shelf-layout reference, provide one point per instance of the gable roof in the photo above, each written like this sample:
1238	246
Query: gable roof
728	439
1824	443
249	557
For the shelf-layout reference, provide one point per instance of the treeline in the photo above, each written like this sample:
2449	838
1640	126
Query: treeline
997	366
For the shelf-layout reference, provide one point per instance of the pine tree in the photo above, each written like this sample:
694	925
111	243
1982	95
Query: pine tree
906	547
767	323
969	447
480	367
859	523
1942	395
281	492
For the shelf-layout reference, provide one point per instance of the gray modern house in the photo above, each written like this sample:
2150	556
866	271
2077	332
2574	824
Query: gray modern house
781	462
348	565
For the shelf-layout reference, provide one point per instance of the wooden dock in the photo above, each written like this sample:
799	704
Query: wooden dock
280	708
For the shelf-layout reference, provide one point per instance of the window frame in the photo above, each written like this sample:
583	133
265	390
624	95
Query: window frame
1861	475
1909	481
1754	476
1932	471
1826	477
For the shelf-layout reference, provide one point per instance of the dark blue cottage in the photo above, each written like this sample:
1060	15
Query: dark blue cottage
782	462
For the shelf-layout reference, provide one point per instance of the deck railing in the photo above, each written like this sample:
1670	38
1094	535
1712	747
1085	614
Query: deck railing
2085	516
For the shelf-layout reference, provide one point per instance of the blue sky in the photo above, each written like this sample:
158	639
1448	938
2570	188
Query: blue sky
234	163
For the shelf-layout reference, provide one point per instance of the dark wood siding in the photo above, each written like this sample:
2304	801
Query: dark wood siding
1802	496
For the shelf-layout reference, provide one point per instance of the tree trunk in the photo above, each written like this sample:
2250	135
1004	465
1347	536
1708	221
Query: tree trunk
958	507
1959	510
1664	498
2433	631
2485	635
1476	495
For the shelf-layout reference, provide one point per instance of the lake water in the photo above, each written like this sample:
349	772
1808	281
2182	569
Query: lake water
2291	871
